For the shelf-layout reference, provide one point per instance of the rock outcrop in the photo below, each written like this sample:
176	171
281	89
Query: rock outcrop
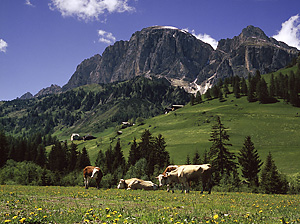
53	89
183	59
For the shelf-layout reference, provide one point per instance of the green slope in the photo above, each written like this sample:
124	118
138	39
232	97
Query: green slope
272	127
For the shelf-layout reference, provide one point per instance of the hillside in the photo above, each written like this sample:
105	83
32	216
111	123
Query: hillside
90	109
272	127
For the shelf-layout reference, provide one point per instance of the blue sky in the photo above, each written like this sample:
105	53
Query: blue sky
42	42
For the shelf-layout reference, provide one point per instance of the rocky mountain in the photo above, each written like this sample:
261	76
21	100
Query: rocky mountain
250	51
183	59
26	96
53	89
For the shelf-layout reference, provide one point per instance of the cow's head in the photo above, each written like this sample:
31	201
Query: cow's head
162	180
121	184
95	172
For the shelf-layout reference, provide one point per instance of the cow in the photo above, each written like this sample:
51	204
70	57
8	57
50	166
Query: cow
161	178
92	172
184	174
135	183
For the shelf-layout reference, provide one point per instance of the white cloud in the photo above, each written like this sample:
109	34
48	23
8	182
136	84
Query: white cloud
27	2
106	37
89	9
205	38
290	32
3	45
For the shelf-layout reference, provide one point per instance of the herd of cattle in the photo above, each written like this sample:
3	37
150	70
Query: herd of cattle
173	174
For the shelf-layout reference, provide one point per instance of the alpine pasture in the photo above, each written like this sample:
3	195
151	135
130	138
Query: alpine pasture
32	204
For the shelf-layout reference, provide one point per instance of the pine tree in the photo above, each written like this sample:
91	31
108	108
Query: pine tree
134	154
107	166
146	147
83	159
251	89
188	160
196	159
244	89
57	158
41	157
118	158
205	157
193	99
198	98
72	157
208	94
272	88
161	156
100	159
3	148
262	91
237	90
250	163
272	182
222	159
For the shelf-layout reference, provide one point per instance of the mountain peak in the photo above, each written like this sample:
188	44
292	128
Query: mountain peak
253	32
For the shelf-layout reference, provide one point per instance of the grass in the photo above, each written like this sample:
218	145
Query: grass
31	204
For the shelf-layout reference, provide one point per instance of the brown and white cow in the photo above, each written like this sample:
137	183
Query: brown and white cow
92	172
162	180
135	183
184	174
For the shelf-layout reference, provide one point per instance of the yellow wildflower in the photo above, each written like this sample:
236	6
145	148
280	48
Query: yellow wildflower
216	216
8	220
22	220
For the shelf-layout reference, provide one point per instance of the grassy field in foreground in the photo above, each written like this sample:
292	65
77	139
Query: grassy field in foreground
31	204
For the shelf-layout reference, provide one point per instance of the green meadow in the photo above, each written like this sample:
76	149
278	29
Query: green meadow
31	204
272	127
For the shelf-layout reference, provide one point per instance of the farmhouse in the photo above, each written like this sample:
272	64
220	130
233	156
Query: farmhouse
75	136
174	107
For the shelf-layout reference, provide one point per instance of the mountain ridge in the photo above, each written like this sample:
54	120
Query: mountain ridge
184	60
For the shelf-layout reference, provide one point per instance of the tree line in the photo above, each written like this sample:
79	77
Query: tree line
255	88
146	159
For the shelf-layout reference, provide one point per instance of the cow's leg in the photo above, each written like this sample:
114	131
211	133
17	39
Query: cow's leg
97	182
187	187
209	186
173	187
86	182
168	187
203	186
182	187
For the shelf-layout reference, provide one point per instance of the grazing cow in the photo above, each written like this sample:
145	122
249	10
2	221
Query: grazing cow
135	183
186	173
92	172
162	180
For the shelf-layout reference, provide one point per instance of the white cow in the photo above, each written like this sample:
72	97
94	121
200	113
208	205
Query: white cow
162	180
135	183
184	174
